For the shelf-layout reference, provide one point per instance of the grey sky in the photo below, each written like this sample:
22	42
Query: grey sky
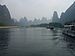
36	8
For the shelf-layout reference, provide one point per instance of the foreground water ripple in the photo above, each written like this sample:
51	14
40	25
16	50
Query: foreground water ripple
35	42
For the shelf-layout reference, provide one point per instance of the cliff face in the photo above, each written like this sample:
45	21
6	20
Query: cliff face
69	14
5	17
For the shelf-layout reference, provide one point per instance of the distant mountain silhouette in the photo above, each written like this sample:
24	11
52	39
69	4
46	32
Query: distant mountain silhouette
5	17
23	21
69	15
55	17
40	21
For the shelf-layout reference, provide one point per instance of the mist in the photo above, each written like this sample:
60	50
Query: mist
36	8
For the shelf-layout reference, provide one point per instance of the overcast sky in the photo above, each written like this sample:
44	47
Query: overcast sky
36	8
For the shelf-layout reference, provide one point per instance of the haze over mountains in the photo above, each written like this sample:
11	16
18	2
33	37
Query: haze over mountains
24	21
35	8
67	16
55	17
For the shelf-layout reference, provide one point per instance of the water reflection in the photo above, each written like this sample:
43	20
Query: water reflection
35	42
70	44
4	33
55	34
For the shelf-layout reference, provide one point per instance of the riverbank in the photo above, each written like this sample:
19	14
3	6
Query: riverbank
9	26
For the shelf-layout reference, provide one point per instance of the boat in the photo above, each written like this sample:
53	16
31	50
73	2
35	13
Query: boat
69	30
48	27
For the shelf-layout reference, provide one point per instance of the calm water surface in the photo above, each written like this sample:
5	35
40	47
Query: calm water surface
35	42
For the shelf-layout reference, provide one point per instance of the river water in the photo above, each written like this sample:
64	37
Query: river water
35	42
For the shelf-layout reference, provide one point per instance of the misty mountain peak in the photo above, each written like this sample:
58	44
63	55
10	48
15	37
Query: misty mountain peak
55	17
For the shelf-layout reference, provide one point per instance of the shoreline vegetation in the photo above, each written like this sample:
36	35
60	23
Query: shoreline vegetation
7	26
55	25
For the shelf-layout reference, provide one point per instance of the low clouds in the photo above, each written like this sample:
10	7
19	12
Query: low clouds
35	8
1	1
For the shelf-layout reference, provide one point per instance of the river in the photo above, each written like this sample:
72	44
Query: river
35	42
